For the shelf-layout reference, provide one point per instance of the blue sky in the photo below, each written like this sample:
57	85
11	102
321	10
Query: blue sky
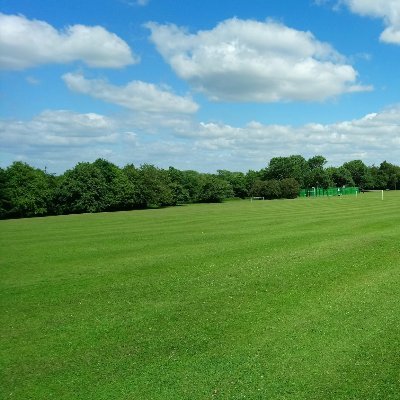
199	85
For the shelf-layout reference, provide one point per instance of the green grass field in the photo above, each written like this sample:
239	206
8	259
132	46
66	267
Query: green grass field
285	299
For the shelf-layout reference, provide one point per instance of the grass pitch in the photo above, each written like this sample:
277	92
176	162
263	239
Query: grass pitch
288	299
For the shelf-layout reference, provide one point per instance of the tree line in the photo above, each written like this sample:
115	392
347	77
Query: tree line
99	186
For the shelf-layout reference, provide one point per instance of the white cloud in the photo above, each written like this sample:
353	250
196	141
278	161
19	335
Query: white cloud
59	127
27	43
133	3
246	60
32	80
388	10
136	95
373	138
60	139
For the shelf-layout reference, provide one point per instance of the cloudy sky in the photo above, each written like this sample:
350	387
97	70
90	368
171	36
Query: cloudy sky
202	85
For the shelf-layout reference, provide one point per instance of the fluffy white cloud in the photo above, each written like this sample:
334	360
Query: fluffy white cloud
246	60
26	43
60	139
133	3
136	95
58	128
373	138
388	10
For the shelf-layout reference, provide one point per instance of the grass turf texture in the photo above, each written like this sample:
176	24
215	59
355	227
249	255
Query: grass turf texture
288	299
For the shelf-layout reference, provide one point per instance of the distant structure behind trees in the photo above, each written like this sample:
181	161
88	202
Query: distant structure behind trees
26	191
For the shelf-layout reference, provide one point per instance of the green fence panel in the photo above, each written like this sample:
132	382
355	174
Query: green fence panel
331	191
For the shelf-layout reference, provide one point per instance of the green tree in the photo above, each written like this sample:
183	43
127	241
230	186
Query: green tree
237	180
98	186
340	176
392	174
273	189
379	178
269	189
316	162
117	187
294	166
154	186
318	177
131	194
192	183
360	173
290	188
82	189
214	189
5	202
27	191
250	178
258	189
179	192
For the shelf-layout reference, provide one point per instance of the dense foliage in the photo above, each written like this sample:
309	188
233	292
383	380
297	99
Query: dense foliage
102	186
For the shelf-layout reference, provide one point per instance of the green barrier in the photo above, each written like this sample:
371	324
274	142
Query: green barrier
331	191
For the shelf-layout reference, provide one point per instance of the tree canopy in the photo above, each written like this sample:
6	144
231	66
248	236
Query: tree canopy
26	191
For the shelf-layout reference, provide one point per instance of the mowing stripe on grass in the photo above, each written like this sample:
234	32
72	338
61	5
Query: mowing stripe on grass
288	299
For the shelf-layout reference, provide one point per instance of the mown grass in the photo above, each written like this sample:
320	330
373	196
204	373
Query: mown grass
291	299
